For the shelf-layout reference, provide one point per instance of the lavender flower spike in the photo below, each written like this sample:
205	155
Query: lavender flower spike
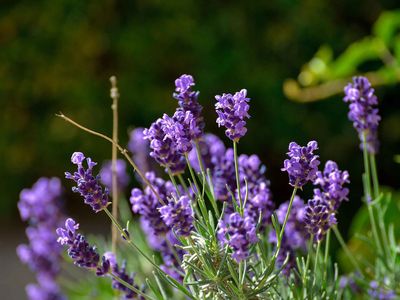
302	165
79	250
232	112
239	233
178	215
181	129
332	181
88	185
187	100
318	218
164	149
363	113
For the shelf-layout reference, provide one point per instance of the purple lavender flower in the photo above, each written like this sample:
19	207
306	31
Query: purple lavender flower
239	233
349	282
167	246
363	113
259	197
45	290
212	150
122	176
163	148
140	149
295	232
42	255
302	165
285	250
181	129
178	215
111	263
260	204
377	292
42	203
128	278
224	176
147	205
232	111
87	185
188	100
332	181
41	206
79	250
318	218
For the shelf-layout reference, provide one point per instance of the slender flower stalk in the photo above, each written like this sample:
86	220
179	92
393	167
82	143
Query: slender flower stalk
123	151
368	196
346	249
235	156
114	93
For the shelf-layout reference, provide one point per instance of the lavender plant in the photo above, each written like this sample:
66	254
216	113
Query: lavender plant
210	223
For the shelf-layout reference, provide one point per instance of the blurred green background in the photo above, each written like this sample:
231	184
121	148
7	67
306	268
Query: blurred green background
58	55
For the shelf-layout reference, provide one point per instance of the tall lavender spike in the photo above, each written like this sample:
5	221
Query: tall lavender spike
147	205
41	206
232	112
318	218
295	235
79	250
188	101
178	215
87	185
181	129
163	148
239	233
363	112
332	181
120	272
224	176
259	197
302	165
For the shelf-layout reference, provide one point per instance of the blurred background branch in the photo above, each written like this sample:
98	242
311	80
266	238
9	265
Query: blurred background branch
323	76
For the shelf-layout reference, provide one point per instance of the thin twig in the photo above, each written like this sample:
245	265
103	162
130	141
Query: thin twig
123	151
114	94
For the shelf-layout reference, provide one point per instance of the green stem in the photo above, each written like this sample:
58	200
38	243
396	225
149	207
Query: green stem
237	177
114	151
327	242
316	263
346	249
183	183
381	220
305	271
193	175
286	216
280	237
201	164
368	195
374	175
171	176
